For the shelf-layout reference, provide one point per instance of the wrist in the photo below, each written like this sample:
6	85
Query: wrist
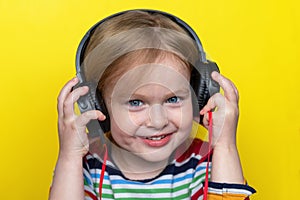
73	151
70	156
226	140
228	146
68	163
226	165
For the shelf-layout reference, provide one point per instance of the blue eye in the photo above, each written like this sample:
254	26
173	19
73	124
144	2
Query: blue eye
173	100
135	103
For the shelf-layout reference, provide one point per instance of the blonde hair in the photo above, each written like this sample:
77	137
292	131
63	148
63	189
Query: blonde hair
131	38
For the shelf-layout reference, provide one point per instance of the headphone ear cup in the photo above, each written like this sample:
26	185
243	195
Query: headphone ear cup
91	101
202	83
213	86
100	105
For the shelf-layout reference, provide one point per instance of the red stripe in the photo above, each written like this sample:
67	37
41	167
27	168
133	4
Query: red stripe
91	195
197	194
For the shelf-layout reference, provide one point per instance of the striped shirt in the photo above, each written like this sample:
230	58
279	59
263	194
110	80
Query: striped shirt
183	178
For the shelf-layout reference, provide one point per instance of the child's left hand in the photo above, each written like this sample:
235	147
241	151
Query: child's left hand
225	117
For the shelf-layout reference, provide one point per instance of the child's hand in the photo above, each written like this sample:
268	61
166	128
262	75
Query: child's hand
225	117
71	127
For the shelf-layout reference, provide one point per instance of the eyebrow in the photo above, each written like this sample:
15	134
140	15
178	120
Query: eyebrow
180	92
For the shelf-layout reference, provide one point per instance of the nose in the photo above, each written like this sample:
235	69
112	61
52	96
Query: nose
157	117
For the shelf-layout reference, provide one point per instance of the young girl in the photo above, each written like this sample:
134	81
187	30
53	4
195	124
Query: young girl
143	62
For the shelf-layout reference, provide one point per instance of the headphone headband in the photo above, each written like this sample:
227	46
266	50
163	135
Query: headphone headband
85	40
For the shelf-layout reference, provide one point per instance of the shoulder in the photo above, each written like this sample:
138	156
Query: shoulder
192	149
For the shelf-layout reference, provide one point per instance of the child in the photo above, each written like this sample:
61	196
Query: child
143	63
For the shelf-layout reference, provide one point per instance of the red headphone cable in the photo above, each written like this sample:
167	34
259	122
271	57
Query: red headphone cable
102	171
210	123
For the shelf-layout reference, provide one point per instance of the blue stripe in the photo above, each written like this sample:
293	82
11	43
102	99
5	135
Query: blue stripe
87	179
97	176
157	182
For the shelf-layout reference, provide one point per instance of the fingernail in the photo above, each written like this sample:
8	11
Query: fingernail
102	117
214	73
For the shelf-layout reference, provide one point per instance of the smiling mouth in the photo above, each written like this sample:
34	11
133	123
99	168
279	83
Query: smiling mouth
156	138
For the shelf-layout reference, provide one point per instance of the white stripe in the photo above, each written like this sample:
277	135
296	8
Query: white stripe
106	191
87	198
229	190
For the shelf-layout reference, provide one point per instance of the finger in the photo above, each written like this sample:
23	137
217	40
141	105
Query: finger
205	120
235	91
217	100
63	95
230	91
84	118
68	104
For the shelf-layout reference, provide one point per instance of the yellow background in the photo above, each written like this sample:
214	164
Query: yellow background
255	43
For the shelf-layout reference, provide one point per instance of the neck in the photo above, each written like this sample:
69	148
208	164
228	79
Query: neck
135	167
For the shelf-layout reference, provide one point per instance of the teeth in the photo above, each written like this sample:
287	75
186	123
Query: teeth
156	138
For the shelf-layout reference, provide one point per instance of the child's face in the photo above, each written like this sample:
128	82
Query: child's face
150	108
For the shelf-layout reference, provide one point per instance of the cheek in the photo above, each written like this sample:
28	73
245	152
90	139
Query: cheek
121	135
182	116
138	118
126	122
121	125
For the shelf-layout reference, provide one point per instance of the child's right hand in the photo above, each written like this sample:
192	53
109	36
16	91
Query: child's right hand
73	138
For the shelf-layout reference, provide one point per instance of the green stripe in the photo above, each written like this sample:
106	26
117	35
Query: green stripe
147	191
107	196
197	179
183	196
151	190
106	186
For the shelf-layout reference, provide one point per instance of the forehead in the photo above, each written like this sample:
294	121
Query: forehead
161	67
168	73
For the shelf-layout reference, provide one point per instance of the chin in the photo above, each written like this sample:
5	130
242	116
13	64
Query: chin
156	155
